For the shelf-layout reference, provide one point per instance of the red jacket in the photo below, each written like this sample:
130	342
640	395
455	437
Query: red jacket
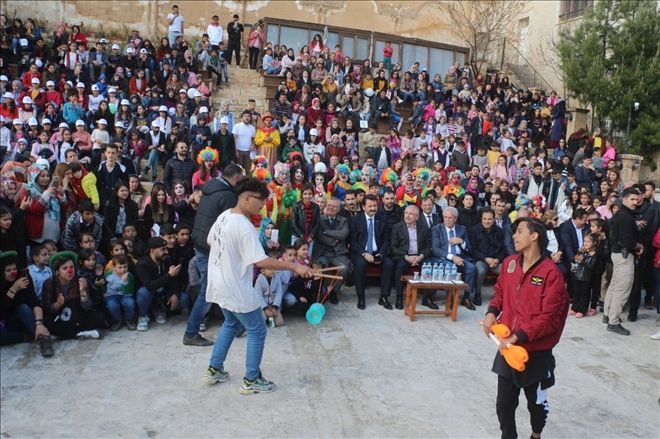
34	216
534	305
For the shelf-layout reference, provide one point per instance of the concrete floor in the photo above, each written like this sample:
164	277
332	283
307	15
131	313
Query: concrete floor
358	374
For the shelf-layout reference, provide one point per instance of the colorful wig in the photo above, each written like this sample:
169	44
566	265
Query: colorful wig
208	154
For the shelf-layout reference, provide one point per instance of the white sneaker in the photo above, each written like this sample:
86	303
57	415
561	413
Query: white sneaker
160	317
95	334
143	323
656	336
202	326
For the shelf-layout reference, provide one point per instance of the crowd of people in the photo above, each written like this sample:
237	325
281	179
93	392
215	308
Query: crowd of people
84	123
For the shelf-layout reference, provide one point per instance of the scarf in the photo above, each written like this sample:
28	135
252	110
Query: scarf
52	207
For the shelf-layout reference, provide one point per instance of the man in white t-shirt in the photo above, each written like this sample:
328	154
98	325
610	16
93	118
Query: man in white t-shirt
175	25
215	32
244	139
234	251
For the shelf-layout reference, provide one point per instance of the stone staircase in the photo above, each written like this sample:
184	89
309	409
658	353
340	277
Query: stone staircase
244	84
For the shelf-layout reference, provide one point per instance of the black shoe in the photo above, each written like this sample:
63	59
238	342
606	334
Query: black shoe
399	303
46	346
648	303
429	304
333	298
116	326
618	329
466	302
361	304
385	303
477	300
196	340
632	317
606	320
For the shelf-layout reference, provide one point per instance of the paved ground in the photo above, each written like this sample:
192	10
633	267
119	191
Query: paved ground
358	374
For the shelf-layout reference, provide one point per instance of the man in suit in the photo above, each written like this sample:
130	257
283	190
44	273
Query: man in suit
370	245
427	218
410	244
555	190
571	237
503	221
450	242
330	245
487	249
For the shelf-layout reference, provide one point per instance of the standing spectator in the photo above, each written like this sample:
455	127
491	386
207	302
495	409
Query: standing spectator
244	134
625	246
255	43
109	173
234	34
175	25
215	32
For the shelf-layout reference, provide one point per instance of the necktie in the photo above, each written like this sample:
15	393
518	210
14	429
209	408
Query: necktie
454	248
370	236
429	221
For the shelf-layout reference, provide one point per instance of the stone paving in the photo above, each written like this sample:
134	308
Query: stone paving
358	374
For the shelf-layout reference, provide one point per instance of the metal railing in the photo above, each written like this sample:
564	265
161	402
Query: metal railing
514	60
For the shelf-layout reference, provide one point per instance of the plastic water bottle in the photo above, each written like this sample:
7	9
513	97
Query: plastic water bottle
428	272
452	275
436	272
443	272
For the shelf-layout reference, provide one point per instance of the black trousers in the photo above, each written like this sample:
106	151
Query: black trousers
507	402
236	49
635	299
254	57
360	266
581	296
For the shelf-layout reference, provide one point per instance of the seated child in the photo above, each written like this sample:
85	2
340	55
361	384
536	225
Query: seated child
93	274
269	288
119	290
306	291
39	270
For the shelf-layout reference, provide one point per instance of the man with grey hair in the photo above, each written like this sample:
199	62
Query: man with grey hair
410	244
450	242
330	245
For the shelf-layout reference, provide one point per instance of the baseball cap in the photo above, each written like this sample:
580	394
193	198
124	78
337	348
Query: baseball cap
119	124
8	95
33	121
50	83
63	125
313	132
80	123
143	50
95	87
112	90
70	83
35	81
162	108
102	122
125	102
156	242
27	100
3	78
155	124
103	41
80	85
18	122
115	47
203	110
130	50
224	119
183	90
46	121
22	140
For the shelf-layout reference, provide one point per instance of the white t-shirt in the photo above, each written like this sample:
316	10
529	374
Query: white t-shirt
235	247
177	23
245	134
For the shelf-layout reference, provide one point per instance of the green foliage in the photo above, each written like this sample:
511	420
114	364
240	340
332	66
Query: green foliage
610	61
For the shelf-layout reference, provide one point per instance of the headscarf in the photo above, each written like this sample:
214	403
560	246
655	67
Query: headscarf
262	232
32	187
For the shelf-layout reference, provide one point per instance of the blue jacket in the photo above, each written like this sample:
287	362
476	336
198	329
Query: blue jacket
439	242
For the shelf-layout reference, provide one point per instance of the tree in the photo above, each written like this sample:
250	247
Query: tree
610	61
483	23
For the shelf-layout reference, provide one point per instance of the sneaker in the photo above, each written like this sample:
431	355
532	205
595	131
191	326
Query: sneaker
618	329
160	317
260	385
196	340
94	334
215	376
655	336
45	346
202	326
131	325
606	320
143	324
116	326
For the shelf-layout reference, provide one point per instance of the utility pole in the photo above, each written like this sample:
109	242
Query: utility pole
633	107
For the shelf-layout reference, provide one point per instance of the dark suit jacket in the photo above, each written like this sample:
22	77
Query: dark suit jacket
435	219
568	241
332	239
439	242
400	240
358	235
487	244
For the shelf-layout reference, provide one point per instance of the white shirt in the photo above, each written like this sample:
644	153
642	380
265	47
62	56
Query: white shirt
578	233
235	248
244	136
176	24
450	255
215	34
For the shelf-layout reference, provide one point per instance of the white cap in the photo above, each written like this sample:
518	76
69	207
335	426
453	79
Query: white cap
143	50
115	46
224	119
162	108
18	122
320	167
50	83
70	83
80	123
102	122
46	121
112	90
95	87
35	81
144	129
203	110
313	132
63	125
8	95
80	85
155	124
2	118
130	50
183	90
119	124
103	41
369	92
22	140
197	94
33	121
23	42
27	100
125	102
39	63
3	78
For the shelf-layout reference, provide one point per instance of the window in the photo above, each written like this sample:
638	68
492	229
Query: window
362	48
574	8
293	37
378	52
441	60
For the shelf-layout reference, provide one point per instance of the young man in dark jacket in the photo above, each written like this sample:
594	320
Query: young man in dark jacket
217	196
180	167
530	298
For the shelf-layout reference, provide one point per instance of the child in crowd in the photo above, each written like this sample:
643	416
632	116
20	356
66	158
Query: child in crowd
39	270
286	277
87	242
306	291
269	288
581	271
120	286
89	270
115	248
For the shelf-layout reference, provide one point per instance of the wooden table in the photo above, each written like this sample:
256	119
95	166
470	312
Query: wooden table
451	303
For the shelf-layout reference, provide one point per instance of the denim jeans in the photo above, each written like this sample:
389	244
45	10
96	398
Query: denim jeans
144	299
20	323
201	306
116	302
255	326
153	163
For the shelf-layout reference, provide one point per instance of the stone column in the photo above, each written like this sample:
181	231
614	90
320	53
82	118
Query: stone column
630	165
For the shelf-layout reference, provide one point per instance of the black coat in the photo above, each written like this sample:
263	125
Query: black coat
359	232
400	240
487	243
111	213
218	196
299	220
176	169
